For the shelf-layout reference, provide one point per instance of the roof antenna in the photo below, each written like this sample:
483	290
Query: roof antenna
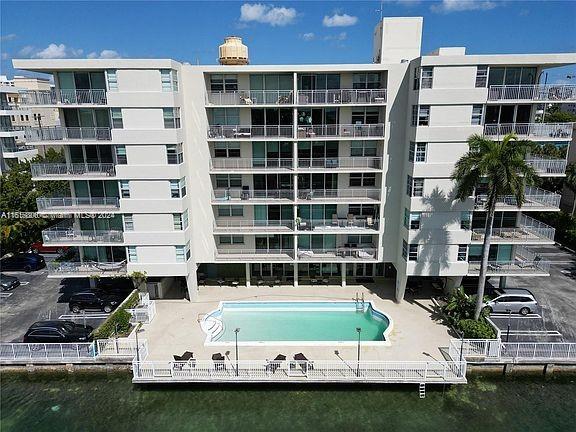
381	10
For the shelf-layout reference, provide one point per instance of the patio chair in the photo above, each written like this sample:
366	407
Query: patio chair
187	357
273	365
303	362
218	360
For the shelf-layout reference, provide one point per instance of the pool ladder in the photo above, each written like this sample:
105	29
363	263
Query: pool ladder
359	303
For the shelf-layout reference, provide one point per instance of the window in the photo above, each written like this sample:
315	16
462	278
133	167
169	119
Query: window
124	188
225	181
404	249
462	252
171	118
362	209
414	120
116	114
362	179
227	116
227	150
481	76
180	254
406	218
174	154
112	80
427	77
415	220
477	114
367	115
169	80
185	219
223	83
128	222
465	220
363	148
360	239
120	151
178	223
229	211
231	240
409	251
423	115
416	79
132	254
178	188
414	186
417	152
366	81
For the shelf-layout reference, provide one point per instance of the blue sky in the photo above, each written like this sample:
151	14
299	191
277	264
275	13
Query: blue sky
276	32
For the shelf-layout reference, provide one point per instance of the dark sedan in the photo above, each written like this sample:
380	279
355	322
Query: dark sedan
23	262
8	283
57	332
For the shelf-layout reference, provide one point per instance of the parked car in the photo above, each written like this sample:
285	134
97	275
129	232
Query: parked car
94	300
38	247
512	300
57	332
23	261
8	282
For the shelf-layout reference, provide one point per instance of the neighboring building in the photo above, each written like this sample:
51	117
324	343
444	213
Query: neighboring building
568	201
293	173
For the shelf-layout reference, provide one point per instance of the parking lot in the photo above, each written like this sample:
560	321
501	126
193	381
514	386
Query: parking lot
555	319
39	298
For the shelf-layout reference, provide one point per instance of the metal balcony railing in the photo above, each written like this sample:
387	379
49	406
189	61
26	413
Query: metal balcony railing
350	193
258	254
240	194
65	233
339	224
86	268
529	230
246	132
538	130
251	97
337	253
342	96
84	204
534	197
250	163
65	97
6	148
73	169
537	92
548	166
340	163
58	133
517	266
243	224
341	130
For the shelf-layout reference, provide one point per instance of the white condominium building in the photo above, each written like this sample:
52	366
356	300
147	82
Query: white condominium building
290	174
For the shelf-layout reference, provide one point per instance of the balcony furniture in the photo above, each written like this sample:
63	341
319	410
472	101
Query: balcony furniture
283	100
335	221
245	194
109	266
220	282
235	283
369	222
379	100
273	365
305	253
350	219
246	100
301	361
332	163
364	255
187	357
325	281
218	360
242	133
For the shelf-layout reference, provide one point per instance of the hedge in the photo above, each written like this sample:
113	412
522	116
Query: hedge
118	323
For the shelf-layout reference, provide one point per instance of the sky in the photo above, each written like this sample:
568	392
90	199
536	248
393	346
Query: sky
276	32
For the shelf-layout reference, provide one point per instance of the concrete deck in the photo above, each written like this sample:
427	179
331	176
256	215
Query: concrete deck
415	335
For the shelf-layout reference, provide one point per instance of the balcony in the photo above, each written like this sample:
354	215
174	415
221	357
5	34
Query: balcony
548	167
17	150
540	131
344	195
258	255
65	97
534	92
525	262
251	97
249	226
535	199
341	131
340	163
529	231
65	234
86	205
337	254
59	133
342	97
249	132
250	164
73	170
339	225
225	196
86	268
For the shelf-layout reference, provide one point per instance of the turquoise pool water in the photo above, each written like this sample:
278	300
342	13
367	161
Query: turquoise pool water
300	322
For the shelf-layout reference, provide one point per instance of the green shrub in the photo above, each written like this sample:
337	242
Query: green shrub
473	329
118	323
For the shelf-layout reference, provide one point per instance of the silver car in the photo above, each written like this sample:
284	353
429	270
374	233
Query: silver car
519	301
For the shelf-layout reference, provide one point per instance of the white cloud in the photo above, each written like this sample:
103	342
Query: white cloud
447	6
337	20
104	54
339	37
265	14
60	51
5	56
308	36
26	51
8	37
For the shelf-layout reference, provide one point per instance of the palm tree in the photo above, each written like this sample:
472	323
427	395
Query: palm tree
503	167
570	183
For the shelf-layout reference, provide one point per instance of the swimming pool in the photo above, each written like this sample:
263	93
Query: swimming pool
296	323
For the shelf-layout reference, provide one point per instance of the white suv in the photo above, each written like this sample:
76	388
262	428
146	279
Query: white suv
519	301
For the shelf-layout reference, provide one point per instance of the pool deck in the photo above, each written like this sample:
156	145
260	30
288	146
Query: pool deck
415	335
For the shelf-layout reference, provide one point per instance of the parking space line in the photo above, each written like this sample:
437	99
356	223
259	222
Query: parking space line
535	332
4	295
529	316
81	317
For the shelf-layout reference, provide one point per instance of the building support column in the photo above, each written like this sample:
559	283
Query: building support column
452	283
401	280
343	274
503	281
247	275
295	266
192	283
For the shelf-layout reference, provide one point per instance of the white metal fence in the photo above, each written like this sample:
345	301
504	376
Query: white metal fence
59	133
300	371
251	97
548	166
94	204
246	132
250	163
340	162
145	311
72	169
345	194
538	130
341	130
231	225
64	96
552	92
241	194
342	96
494	350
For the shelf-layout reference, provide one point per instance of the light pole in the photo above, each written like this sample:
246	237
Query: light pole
236	331
508	330
359	330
